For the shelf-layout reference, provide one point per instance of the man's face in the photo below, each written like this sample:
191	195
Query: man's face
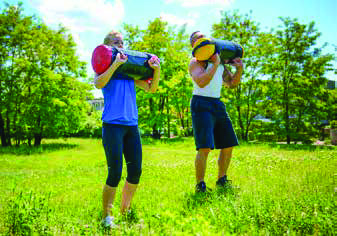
197	36
117	41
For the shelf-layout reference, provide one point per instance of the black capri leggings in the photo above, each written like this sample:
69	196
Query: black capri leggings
119	140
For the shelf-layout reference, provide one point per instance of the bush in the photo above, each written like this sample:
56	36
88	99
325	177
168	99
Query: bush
262	131
91	128
333	124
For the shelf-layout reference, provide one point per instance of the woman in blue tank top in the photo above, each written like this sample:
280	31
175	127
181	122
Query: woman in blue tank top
120	135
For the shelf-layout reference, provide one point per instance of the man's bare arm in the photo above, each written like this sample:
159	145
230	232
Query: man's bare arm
200	75
230	80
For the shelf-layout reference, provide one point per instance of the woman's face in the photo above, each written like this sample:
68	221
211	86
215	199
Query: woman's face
117	41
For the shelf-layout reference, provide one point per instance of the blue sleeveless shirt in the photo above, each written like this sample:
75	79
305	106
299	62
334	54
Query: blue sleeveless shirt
120	105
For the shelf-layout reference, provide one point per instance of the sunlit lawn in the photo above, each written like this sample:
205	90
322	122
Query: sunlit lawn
57	190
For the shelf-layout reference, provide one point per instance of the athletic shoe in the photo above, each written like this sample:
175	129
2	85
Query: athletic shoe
108	222
200	187
224	182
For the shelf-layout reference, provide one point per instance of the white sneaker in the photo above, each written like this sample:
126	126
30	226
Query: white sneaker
108	222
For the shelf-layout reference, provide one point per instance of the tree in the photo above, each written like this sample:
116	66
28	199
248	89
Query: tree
163	108
249	98
40	95
297	71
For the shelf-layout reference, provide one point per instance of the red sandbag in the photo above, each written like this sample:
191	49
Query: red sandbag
101	58
136	67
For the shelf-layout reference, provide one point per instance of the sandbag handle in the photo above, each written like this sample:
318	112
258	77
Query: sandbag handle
118	51
148	55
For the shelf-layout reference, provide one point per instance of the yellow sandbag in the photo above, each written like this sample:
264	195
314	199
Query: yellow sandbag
203	49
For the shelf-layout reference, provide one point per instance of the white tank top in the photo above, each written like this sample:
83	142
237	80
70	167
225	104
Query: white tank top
213	89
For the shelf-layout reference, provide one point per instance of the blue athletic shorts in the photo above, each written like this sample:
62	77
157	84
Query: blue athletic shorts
211	124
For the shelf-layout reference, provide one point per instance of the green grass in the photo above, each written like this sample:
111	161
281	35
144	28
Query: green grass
56	189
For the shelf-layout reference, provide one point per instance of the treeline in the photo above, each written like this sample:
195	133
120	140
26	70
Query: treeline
284	81
40	93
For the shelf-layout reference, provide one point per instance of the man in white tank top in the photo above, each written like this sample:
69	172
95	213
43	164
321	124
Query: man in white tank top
212	126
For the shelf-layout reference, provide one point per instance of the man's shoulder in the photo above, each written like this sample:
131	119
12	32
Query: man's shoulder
195	62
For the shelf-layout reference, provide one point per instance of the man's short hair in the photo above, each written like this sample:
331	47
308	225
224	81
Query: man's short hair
110	36
191	37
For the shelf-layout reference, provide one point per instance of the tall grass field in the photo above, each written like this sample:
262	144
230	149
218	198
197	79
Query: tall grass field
56	189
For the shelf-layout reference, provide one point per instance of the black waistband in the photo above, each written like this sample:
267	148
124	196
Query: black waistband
206	98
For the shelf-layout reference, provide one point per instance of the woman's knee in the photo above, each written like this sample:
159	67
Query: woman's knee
113	178
134	176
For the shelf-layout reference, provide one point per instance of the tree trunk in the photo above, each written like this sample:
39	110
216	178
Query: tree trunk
189	131
246	131
8	136
287	123
29	142
286	105
168	119
37	139
2	132
38	135
155	132
298	127
242	131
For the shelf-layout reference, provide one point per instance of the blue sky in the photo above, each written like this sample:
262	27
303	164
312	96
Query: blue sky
90	20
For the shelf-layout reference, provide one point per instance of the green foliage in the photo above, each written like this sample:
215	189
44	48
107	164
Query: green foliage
333	124
170	104
263	131
40	94
297	70
92	127
330	98
28	213
249	98
284	80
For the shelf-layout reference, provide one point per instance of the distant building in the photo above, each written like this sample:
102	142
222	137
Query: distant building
332	84
97	104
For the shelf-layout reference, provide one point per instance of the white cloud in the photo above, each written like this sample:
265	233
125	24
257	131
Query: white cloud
198	3
82	18
81	15
175	20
